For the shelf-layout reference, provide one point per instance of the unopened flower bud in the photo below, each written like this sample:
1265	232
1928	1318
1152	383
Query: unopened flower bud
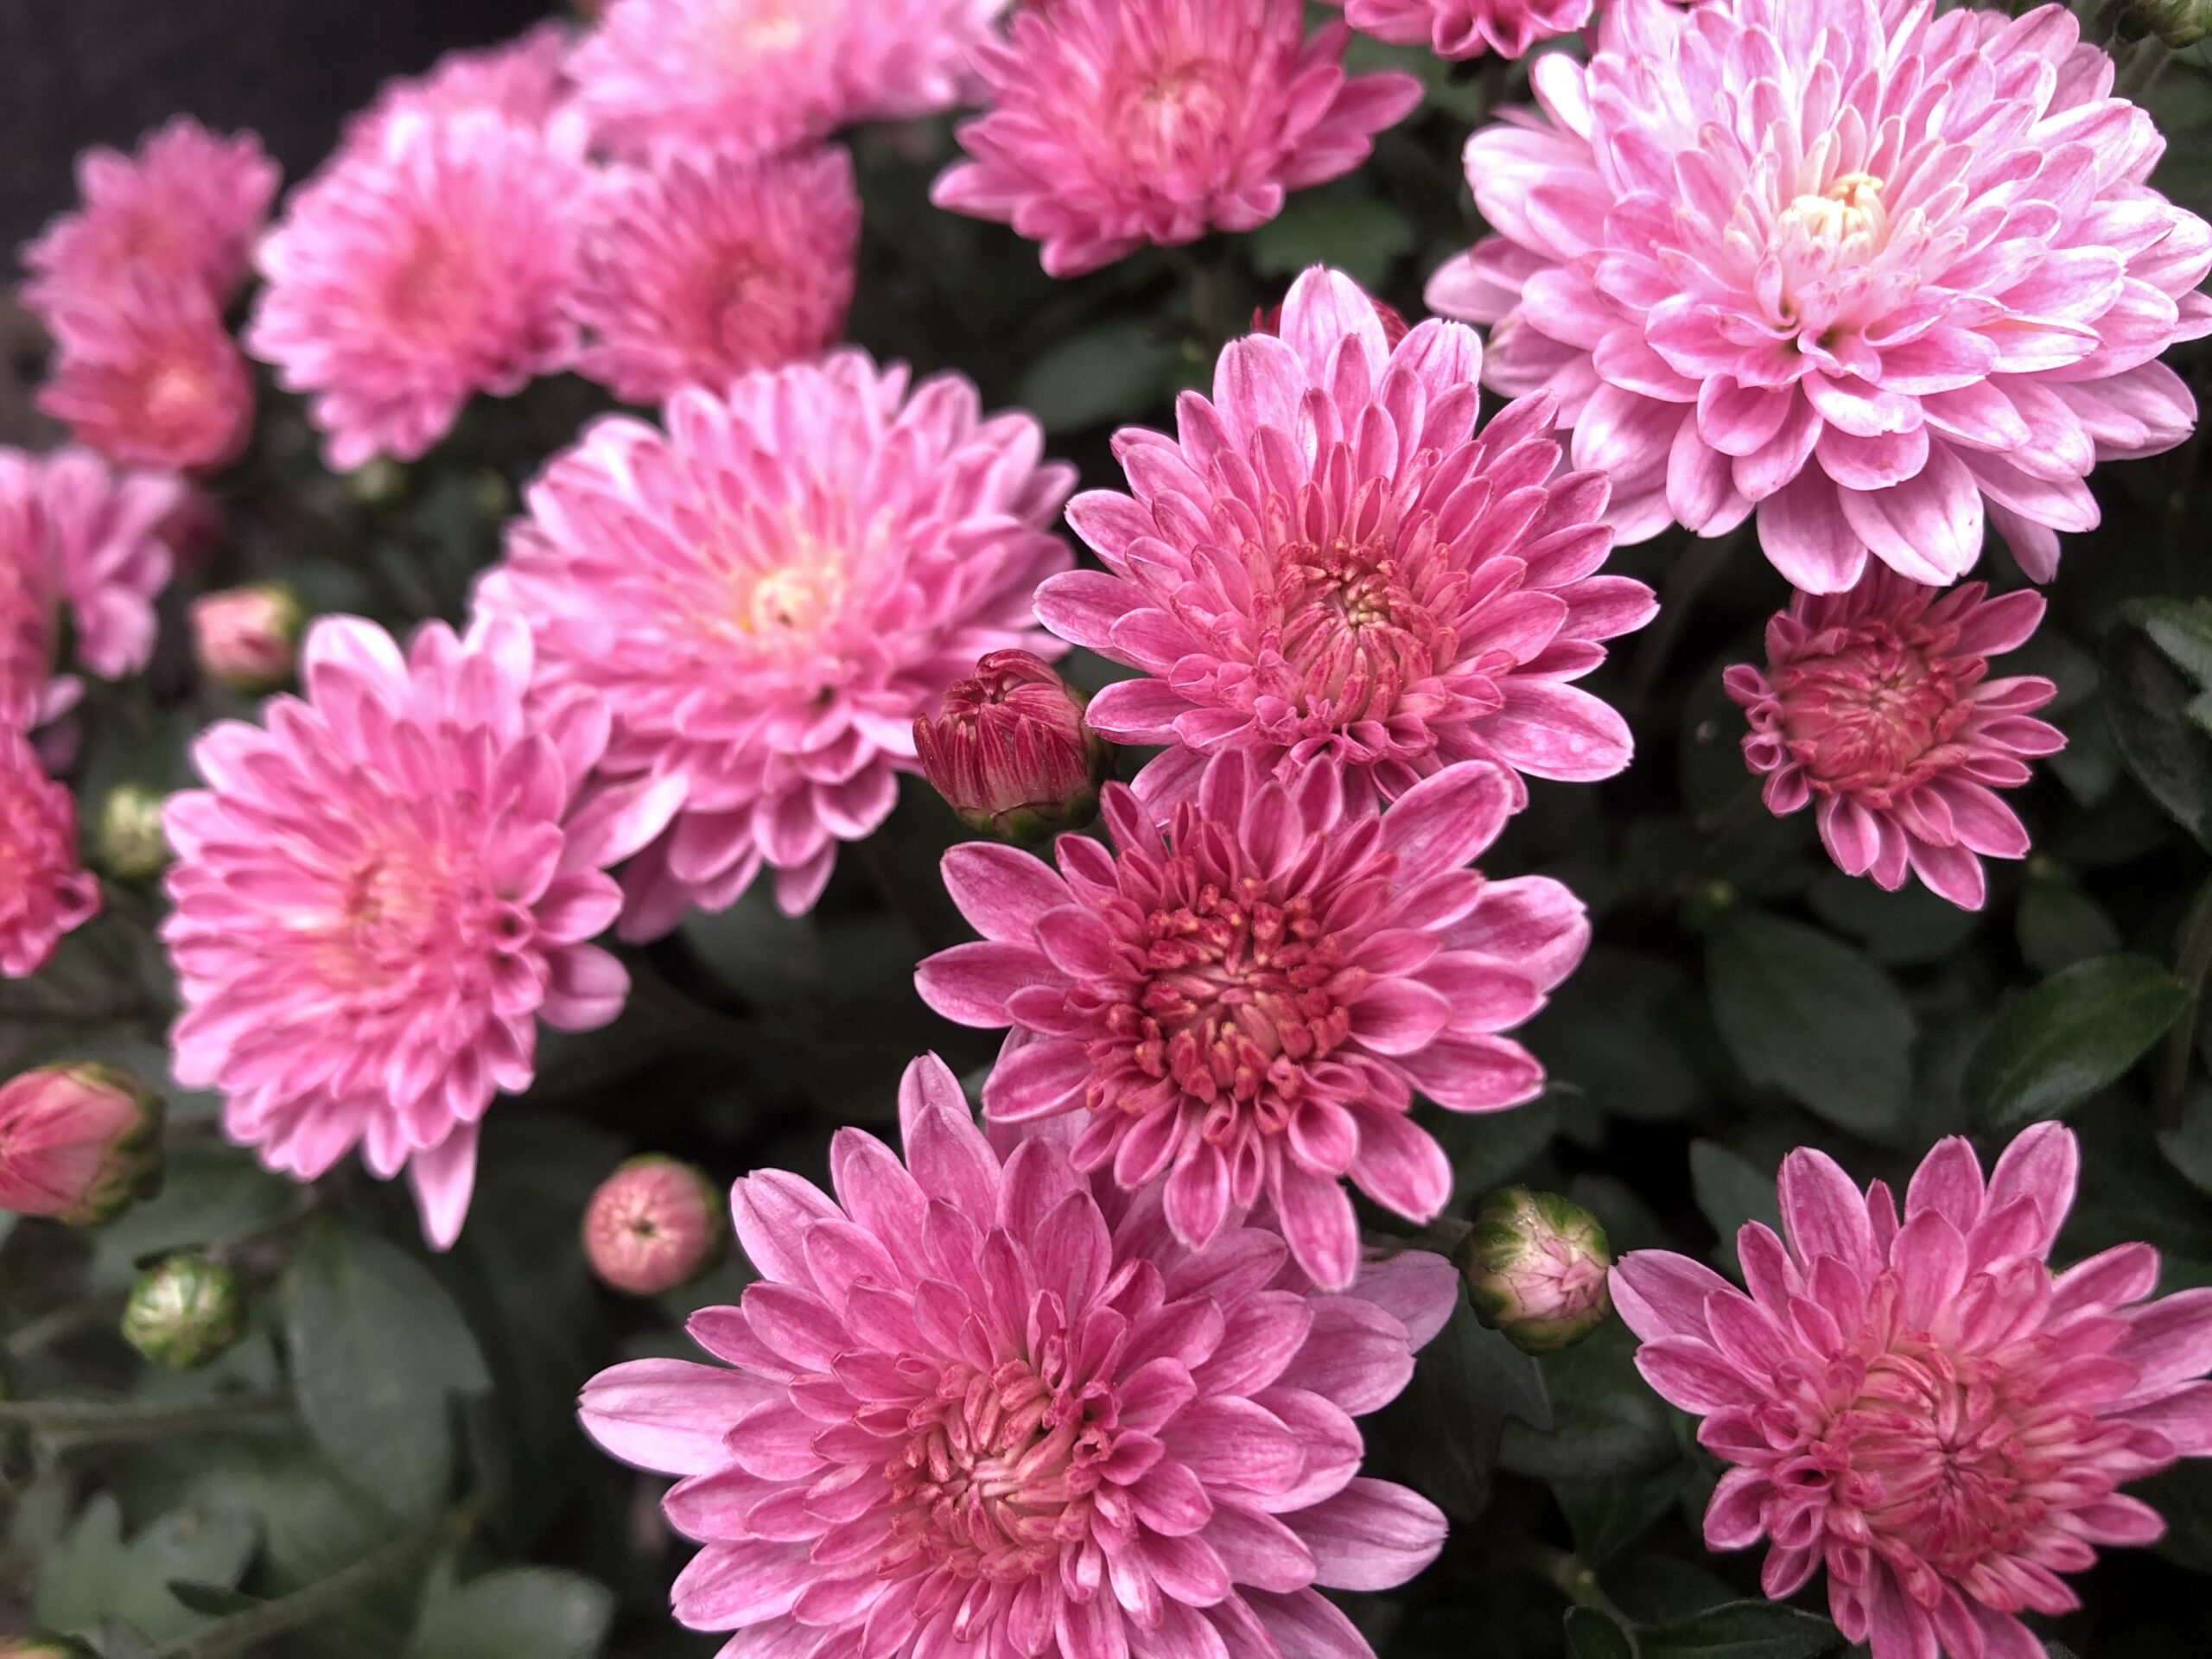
132	845
378	482
2177	23
185	1311
248	638
78	1142
1536	1269
39	1645
1010	752
1269	320
654	1223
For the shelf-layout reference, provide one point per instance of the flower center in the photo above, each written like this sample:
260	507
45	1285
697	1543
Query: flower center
1874	716
397	915
795	598
1850	208
434	293
744	31
1353	628
1174	116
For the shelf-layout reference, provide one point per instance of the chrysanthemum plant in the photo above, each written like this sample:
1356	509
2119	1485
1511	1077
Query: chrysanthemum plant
1553	1006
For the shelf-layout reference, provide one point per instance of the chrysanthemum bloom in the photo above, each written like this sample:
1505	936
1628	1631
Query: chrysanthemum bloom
1246	1003
1467	28
525	79
1926	1408
78	1142
1117	123
705	266
44	893
1916	285
147	375
763	75
769	592
1330	564
1877	705
978	1404
416	272
379	895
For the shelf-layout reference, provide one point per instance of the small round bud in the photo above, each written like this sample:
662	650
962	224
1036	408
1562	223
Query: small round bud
2177	23
38	1644
377	481
1009	752
248	638
78	1142
1536	1269
133	846
185	1311
653	1224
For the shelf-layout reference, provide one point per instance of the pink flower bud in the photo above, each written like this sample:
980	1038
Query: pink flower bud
1536	1269
1010	752
78	1142
248	638
653	1224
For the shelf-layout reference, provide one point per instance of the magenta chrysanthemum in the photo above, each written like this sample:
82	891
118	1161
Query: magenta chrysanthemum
977	1404
378	897
1467	28
416	272
147	376
1883	276
704	266
44	893
1876	706
1245	1003
1330	564
769	592
761	75
1926	1408
1117	123
523	79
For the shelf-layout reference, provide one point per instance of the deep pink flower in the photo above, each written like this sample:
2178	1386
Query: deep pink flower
1329	564
523	79
1926	1408
703	266
977	1404
1877	706
43	891
147	375
418	272
1010	752
379	895
762	75
1882	275
769	592
78	1142
1246	1003
1117	123
1467	28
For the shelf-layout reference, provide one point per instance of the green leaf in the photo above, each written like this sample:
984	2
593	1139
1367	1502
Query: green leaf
1899	930
1361	236
1593	1636
1730	1192
1744	1630
2182	629
1607	1515
2077	1033
1487	1148
1113	372
94	1575
1605	1421
1616	1028
2059	924
2146	705
1442	1434
538	1612
208	1194
212	1600
2188	1146
1808	1015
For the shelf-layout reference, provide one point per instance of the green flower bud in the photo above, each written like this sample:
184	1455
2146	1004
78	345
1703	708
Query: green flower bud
2177	23
185	1311
39	1645
133	846
1536	1269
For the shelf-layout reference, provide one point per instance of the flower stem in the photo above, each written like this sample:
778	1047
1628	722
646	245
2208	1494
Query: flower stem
1694	573
140	1420
245	1632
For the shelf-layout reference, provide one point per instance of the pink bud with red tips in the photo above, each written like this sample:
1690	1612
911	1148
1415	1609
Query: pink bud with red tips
1009	750
78	1142
655	1223
248	638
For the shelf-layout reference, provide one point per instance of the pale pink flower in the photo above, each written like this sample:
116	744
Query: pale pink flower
77	1141
1876	706
1467	28
762	75
1915	283
147	376
1245	1003
44	891
977	1404
1926	1408
768	592
1329	563
413	273
525	79
705	266
1117	123
654	1225
381	893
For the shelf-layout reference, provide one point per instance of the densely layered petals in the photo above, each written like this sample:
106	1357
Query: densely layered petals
525	80
1467	28
976	1401
44	891
147	376
1885	277
1918	1403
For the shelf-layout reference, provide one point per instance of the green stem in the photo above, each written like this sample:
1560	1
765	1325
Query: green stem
2192	960
59	1325
1694	572
1567	1574
242	1633
136	1420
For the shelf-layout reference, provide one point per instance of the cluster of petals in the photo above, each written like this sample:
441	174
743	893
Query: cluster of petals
1921	1405
525	79
762	75
1238	1008
1876	705
978	1403
1328	563
1115	123
423	266
1467	28
147	376
1887	278
708	265
768	592
44	891
381	892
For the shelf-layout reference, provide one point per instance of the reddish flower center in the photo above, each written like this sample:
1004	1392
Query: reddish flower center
434	292
1174	116
1356	622
399	915
1874	714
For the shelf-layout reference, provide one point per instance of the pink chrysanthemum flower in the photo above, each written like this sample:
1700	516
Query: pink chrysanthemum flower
1117	123
184	210
1330	564
704	266
1876	705
525	79
1467	28
977	1404
379	895
1926	1408
147	376
769	592
416	272
1883	276
762	75
1245	1003
44	893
